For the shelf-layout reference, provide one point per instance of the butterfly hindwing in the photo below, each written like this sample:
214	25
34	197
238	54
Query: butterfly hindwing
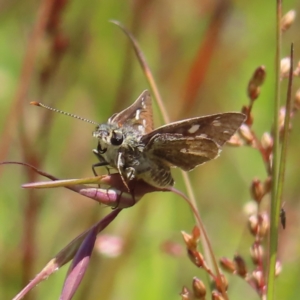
181	151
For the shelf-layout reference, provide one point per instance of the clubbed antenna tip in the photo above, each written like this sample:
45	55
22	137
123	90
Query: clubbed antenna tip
35	103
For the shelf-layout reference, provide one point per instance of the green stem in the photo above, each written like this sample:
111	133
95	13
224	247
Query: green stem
274	198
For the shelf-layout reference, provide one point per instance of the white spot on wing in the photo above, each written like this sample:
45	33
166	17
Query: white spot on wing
143	103
203	135
216	123
194	128
137	114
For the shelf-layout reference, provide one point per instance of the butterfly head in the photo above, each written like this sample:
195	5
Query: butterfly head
109	135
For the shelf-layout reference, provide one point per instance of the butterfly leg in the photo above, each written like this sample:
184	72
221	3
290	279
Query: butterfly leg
120	165
98	152
99	164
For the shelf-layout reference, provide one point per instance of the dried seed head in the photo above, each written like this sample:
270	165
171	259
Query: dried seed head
257	190
259	225
197	259
186	294
241	265
228	265
278	268
246	133
263	227
250	208
285	65
216	296
224	283
253	91
267	141
259	76
287	20
190	241
253	224
259	279
255	82
199	288
256	253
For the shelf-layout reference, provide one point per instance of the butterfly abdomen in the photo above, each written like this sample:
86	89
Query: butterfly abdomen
158	176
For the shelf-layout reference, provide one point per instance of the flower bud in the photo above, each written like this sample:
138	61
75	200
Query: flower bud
250	208
228	265
285	65
246	133
263	227
196	258
259	225
186	294
253	224
267	141
255	82
241	265
224	283
216	296
259	279
199	288
257	190
256	253
189	240
287	20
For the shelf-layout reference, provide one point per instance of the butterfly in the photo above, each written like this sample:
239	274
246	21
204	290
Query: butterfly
129	143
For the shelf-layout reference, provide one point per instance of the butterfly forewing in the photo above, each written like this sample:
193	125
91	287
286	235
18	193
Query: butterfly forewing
138	115
218	127
180	151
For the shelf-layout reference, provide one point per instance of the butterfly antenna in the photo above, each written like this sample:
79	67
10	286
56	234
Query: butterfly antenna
62	112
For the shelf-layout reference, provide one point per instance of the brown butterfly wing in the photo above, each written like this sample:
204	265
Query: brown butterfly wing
218	127
181	151
139	115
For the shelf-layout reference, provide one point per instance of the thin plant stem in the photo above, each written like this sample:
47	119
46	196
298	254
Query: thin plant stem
274	197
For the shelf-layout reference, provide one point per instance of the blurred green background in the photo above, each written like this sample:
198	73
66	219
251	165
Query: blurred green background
81	63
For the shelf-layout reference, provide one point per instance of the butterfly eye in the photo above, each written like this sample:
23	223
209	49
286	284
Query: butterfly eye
116	138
